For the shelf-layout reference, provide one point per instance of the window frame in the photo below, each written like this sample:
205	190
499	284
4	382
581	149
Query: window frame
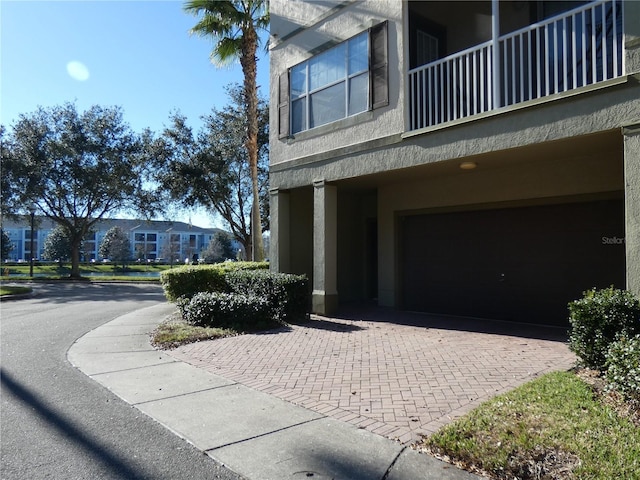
377	71
343	79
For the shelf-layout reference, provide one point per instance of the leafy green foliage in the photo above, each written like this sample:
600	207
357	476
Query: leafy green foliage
115	246
623	367
5	245
229	24
211	168
227	310
233	25
219	249
75	168
185	282
599	319
241	292
57	245
188	280
287	294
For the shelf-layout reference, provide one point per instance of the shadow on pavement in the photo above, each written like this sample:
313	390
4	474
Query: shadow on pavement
120	466
370	313
330	326
67	291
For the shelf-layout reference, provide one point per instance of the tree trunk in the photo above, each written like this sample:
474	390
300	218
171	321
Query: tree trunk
75	258
249	66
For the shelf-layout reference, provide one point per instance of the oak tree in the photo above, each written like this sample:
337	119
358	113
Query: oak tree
75	168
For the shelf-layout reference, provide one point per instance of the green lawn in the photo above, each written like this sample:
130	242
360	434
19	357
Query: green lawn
6	290
554	427
109	271
55	269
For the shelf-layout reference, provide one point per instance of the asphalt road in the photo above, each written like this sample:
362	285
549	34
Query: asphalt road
56	423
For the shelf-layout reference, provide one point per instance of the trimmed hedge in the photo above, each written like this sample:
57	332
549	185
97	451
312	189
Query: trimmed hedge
186	281
598	319
227	310
240	295
287	294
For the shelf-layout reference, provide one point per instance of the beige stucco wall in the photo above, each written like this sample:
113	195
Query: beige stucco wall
348	22
565	117
552	180
525	154
632	206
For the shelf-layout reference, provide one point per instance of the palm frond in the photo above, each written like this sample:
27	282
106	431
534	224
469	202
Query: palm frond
226	51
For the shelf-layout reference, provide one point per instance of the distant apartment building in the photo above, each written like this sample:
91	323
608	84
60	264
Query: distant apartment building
476	158
150	240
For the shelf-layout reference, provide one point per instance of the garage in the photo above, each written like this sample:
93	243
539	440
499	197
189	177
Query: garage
521	264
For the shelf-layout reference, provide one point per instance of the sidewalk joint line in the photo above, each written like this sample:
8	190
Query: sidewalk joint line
91	375
93	334
237	442
120	351
185	394
386	474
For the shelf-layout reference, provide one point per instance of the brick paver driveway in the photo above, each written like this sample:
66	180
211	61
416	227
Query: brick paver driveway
396	374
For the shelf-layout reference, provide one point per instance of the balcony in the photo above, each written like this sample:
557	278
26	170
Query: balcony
577	48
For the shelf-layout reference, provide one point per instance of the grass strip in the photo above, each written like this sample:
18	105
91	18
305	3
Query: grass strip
6	290
551	428
56	270
172	334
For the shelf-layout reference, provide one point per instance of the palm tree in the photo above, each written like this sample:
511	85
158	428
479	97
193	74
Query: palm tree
234	25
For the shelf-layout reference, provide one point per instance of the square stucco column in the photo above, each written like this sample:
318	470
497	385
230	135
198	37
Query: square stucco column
632	205
325	237
279	231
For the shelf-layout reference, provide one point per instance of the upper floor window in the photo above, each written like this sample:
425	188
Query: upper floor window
331	86
345	80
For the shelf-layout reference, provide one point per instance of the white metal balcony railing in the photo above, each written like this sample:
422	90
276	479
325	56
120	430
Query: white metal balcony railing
581	47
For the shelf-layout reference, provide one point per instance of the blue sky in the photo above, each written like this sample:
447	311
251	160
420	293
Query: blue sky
138	55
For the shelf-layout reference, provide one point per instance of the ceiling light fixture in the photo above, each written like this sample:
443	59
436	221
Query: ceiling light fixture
468	165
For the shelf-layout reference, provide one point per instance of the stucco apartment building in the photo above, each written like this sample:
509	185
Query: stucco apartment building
476	158
150	240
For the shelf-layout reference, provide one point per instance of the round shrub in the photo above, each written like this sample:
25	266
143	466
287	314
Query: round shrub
226	310
623	367
599	319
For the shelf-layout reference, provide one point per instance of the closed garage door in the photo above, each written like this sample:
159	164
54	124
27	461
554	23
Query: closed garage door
522	264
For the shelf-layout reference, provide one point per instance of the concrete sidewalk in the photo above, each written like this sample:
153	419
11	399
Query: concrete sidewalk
255	434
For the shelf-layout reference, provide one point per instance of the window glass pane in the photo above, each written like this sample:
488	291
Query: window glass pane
298	115
327	67
359	94
358	54
327	105
151	237
139	237
298	80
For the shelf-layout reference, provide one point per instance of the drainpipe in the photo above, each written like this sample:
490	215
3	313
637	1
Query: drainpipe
495	36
